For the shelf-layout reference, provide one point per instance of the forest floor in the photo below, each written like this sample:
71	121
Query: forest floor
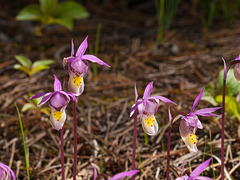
187	61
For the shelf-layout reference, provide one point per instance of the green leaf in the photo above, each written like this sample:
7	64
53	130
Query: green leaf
48	6
24	61
31	12
42	63
232	85
28	106
22	68
71	10
39	68
208	95
232	106
66	22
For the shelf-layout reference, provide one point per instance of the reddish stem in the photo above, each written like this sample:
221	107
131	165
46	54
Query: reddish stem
168	149
62	155
75	140
134	142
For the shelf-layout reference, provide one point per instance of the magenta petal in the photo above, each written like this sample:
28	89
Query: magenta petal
225	69
72	49
57	84
203	178
73	97
94	59
199	97
124	174
166	100
200	168
37	96
238	57
95	173
82	48
148	90
45	98
70	59
207	111
136	93
169	114
80	66
135	106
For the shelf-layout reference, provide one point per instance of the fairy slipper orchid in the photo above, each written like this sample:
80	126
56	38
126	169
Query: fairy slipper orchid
57	101
196	172
190	123
116	177
192	119
78	67
6	172
147	106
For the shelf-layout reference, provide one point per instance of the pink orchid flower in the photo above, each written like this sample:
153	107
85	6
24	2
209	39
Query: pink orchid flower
190	123
57	101
196	172
78	67
6	172
116	177
147	106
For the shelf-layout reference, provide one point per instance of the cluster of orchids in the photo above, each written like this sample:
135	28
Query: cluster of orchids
145	105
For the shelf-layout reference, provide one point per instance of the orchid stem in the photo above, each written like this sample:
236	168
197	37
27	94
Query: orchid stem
62	155
75	140
134	142
168	149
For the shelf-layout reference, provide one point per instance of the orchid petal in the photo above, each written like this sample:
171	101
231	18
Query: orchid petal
206	110
182	178
37	96
70	59
72	49
150	125
136	93
95	173
7	170
199	97
169	115
57	123
238	57
225	69
66	95
94	59
166	100
148	90
76	88
200	168
57	84
124	174
135	106
82	48
183	164
46	98
72	95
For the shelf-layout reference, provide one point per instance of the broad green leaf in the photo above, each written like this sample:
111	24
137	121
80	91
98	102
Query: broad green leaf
71	10
39	68
48	6
28	106
208	95
66	22
24	61
31	12
42	63
231	105
232	85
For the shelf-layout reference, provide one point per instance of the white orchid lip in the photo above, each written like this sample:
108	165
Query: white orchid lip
76	85
149	124
57	118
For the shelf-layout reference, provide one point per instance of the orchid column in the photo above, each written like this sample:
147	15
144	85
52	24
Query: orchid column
77	68
147	106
